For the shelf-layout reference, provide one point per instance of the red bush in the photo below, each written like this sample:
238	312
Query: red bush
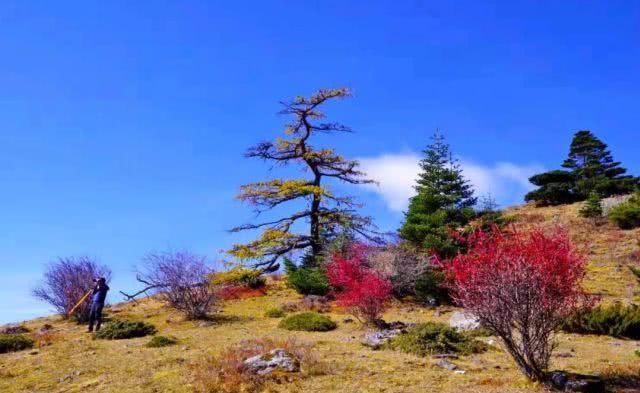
359	289
522	285
233	292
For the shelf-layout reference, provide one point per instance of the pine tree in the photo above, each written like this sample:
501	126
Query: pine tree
592	207
594	169
590	167
444	200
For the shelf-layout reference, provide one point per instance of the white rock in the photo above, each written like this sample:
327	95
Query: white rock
462	321
276	359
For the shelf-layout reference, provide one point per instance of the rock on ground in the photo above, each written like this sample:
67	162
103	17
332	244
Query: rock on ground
277	359
462	321
447	365
569	382
388	331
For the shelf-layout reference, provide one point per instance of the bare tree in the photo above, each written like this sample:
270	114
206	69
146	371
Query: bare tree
181	279
403	265
327	214
67	280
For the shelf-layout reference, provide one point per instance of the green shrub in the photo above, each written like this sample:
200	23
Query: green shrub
616	320
429	288
627	214
14	342
162	341
306	280
275	312
592	207
435	338
637	352
308	321
118	330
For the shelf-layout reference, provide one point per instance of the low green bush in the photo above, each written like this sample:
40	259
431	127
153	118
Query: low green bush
161	341
275	312
118	330
14	342
306	280
627	214
435	338
616	320
308	321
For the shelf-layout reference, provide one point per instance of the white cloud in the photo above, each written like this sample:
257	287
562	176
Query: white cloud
396	174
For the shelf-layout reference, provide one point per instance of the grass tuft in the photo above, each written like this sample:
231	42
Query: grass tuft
309	322
162	341
275	312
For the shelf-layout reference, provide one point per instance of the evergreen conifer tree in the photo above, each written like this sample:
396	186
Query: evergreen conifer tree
592	207
594	169
444	200
590	167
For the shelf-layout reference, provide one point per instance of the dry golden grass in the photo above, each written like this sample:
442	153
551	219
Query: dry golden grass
225	371
609	249
73	362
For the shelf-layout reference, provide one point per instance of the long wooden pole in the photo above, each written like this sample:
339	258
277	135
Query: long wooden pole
80	302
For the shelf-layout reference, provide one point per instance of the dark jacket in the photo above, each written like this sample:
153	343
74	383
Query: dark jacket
99	293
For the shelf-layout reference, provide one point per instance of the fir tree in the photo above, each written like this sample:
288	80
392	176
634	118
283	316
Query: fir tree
592	207
444	200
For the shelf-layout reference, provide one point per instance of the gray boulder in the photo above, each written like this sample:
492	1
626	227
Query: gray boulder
463	321
570	382
447	365
277	359
375	340
388	331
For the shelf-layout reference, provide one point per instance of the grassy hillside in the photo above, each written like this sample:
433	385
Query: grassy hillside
609	249
77	363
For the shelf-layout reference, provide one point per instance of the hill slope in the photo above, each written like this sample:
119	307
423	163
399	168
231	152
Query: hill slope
76	363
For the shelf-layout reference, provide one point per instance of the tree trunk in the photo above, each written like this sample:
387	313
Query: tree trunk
316	246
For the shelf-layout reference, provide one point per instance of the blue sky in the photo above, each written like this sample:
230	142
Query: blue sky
122	124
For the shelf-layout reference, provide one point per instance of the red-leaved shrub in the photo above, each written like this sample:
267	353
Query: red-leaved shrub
522	285
234	292
359	289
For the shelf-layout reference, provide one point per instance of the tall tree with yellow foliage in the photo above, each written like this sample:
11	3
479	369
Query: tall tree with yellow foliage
326	214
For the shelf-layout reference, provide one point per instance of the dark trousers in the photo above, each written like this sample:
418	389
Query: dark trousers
95	315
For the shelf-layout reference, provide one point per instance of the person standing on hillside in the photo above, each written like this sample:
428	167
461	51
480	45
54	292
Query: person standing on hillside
98	297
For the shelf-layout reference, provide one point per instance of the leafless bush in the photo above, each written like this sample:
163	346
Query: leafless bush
402	265
67	280
181	279
308	303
